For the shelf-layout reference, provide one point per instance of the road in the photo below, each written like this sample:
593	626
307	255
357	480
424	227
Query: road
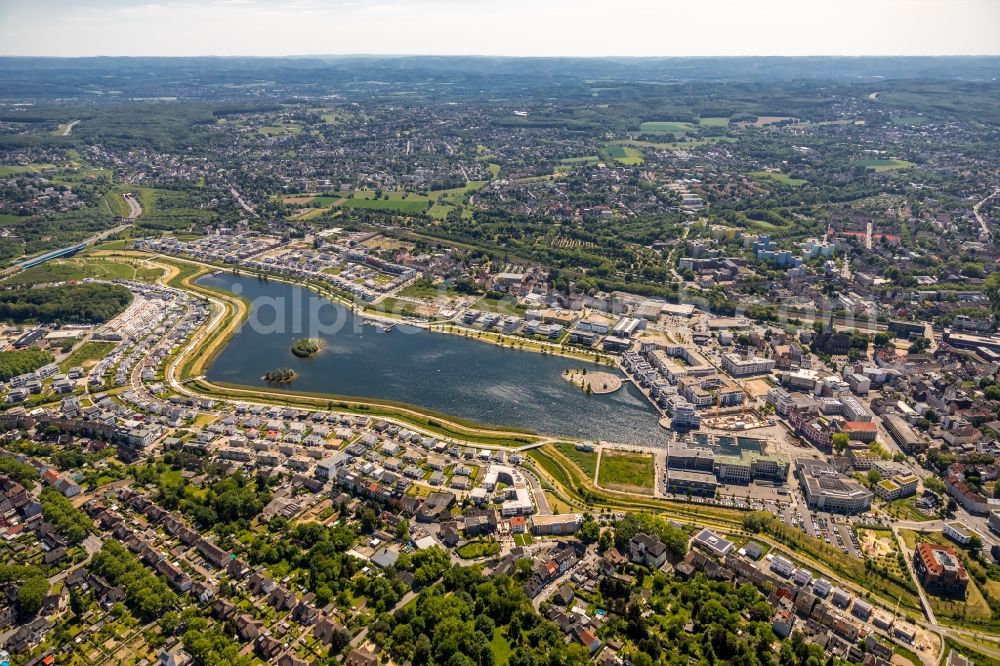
549	589
242	202
541	502
69	128
979	217
135	210
97	238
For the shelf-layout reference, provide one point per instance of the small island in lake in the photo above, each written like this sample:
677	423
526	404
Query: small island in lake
280	376
593	382
307	347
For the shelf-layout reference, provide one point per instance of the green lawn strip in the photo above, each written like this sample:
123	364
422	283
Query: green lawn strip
585	460
500	647
474	549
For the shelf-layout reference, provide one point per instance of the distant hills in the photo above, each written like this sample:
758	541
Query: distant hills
243	77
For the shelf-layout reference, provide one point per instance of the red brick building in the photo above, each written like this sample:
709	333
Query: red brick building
940	570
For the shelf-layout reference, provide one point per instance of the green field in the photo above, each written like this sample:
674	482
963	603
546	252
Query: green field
437	203
279	130
506	306
412	205
627	471
87	353
13	169
78	268
714	122
782	178
322	202
883	165
426	289
624	154
167	210
678	145
580	161
667	126
7	218
585	460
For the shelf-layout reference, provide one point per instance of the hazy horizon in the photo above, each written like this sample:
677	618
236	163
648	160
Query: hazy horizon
515	28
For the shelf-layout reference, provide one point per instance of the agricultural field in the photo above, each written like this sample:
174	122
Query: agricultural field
883	165
763	121
411	205
687	144
714	122
630	472
666	127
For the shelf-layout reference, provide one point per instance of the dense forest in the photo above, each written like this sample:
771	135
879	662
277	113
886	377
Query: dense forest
66	304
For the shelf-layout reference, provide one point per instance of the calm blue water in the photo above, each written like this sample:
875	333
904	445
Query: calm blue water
445	373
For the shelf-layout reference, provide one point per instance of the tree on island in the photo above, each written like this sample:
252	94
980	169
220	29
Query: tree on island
306	347
280	376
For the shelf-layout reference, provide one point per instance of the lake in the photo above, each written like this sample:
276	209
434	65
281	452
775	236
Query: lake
445	373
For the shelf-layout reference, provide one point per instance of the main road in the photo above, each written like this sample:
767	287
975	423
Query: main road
134	209
979	216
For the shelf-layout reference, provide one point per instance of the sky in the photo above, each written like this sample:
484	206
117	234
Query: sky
499	27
